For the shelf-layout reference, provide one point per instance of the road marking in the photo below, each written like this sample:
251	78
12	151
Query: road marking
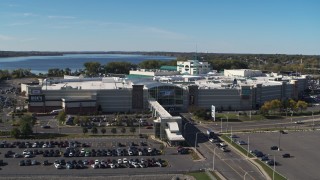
223	161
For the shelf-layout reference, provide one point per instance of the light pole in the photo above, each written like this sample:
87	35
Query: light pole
184	128
274	166
312	120
248	146
221	125
195	143
227	121
214	155
231	137
139	125
291	115
279	139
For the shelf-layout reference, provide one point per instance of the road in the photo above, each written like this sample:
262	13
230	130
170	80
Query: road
230	164
306	122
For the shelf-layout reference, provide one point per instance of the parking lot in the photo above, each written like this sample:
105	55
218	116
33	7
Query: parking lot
86	156
302	146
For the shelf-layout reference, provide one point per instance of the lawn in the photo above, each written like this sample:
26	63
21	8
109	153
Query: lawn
199	175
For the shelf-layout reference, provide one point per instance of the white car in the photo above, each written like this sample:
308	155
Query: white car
82	150
25	152
27	155
95	166
142	161
130	153
112	165
119	161
57	166
149	150
96	161
125	160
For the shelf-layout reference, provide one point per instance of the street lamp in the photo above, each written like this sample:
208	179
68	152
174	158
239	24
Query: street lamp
195	143
279	139
139	125
221	125
248	146
214	155
312	120
184	128
274	165
227	121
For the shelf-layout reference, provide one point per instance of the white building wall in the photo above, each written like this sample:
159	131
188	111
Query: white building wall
242	73
193	67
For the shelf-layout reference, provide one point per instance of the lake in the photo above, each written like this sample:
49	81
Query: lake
41	64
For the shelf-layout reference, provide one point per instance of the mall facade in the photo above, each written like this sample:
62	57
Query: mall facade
79	95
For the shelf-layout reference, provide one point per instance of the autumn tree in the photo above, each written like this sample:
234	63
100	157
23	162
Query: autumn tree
301	105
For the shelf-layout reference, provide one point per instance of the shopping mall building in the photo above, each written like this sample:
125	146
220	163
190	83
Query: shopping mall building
234	90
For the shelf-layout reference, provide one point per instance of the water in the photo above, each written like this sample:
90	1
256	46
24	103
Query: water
41	64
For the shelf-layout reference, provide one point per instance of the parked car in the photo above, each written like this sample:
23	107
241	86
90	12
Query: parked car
46	127
242	142
271	162
286	155
274	147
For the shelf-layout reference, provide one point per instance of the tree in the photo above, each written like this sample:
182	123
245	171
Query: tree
114	130
103	130
92	68
302	105
76	120
15	132
123	130
275	104
265	108
119	67
84	130
132	130
26	124
292	104
61	117
94	130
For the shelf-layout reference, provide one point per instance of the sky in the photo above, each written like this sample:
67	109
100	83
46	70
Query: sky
215	26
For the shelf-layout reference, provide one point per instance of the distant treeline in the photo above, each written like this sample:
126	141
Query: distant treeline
28	53
218	61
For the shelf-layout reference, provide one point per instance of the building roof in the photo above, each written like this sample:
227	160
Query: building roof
174	136
169	68
173	126
162	112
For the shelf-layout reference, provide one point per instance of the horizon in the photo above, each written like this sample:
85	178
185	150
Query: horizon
247	27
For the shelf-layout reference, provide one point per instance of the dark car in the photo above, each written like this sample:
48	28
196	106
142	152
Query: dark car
283	132
22	163
286	155
274	147
264	158
46	127
271	162
45	163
